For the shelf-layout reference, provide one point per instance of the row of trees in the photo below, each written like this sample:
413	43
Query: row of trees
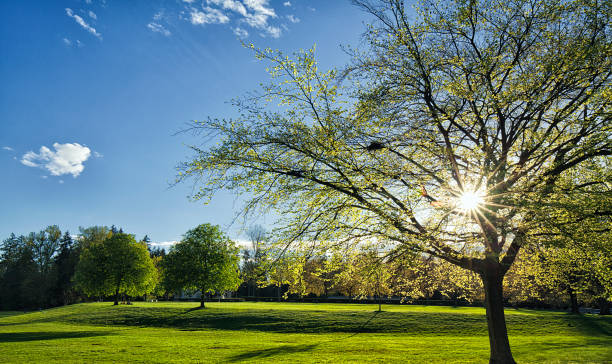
49	269
542	276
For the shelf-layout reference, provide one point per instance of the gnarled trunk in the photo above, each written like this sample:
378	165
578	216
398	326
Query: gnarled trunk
494	302
116	297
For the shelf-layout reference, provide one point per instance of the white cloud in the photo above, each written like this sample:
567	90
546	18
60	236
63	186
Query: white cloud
241	33
83	23
158	15
67	42
98	155
44	177
61	181
208	16
233	5
293	19
287	3
88	1
158	28
8	148
66	159
79	44
92	15
254	13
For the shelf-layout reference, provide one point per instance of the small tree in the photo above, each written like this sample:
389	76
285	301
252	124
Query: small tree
206	260
118	264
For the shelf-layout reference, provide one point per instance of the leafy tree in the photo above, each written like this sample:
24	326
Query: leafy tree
451	131
206	260
64	267
118	264
18	274
45	245
252	259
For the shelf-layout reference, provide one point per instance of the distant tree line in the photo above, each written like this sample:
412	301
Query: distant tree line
51	268
48	268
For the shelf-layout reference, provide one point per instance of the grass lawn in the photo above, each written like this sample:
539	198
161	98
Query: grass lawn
293	332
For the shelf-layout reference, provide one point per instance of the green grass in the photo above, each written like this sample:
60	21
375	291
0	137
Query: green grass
293	332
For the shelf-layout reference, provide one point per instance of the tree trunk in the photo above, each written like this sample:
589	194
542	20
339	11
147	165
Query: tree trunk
573	301
202	299
116	297
278	293
604	306
496	321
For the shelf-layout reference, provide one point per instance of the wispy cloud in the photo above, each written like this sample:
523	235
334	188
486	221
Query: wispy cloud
208	15
98	155
67	158
158	28
293	18
92	15
83	23
241	33
287	3
8	148
253	13
67	42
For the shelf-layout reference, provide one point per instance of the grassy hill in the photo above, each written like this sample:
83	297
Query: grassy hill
293	332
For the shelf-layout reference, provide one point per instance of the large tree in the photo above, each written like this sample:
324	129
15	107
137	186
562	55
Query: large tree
449	134
117	264
206	260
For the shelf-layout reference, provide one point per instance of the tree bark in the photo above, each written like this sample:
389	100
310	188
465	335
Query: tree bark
202	298
573	301
494	302
116	297
604	306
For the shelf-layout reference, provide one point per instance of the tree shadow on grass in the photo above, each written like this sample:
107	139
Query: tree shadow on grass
589	325
268	353
48	335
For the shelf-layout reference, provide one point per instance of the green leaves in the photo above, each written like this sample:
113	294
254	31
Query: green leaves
205	260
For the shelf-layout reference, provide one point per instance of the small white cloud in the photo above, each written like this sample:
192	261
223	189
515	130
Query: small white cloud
158	28
188	1
274	32
8	148
88	1
67	42
293	19
241	33
61	181
311	8
92	15
98	155
44	177
79	44
158	15
83	23
287	3
66	159
208	16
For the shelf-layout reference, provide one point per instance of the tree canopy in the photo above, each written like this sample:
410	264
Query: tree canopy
117	264
206	260
452	129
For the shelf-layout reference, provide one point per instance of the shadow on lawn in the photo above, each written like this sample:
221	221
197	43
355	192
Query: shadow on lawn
47	335
268	353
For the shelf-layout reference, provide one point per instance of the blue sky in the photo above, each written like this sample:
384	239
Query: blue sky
93	91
